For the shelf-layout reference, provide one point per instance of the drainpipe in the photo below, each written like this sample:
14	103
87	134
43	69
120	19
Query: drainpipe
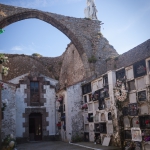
0	106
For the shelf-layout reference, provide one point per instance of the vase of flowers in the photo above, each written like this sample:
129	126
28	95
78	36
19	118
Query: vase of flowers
9	143
147	122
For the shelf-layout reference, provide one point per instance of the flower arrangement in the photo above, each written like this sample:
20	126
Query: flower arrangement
147	138
5	70
9	143
4	104
147	121
84	106
120	91
3	59
137	122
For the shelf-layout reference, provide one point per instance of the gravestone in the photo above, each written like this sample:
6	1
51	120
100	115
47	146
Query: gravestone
106	141
110	129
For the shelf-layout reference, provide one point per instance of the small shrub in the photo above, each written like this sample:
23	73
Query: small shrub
116	58
77	138
36	55
88	18
92	59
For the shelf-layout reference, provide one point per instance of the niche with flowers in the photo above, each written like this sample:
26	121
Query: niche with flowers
135	122
144	121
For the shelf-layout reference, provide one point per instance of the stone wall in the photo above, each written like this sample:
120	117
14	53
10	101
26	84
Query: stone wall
22	64
138	53
9	120
72	69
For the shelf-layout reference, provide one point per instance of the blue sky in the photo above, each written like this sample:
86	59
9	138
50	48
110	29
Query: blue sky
126	25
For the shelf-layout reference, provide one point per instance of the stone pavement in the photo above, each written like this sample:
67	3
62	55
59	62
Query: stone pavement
58	145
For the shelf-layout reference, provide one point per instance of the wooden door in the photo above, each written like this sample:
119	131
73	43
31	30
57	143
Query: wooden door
35	127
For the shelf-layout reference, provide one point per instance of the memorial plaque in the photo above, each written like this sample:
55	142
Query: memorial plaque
133	109
125	111
142	96
136	134
139	69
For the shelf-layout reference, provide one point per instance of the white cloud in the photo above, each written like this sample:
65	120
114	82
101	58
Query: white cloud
17	48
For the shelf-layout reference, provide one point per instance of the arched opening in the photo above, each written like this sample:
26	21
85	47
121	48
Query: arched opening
59	22
73	29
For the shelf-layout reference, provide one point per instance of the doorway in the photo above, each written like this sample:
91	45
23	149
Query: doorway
35	126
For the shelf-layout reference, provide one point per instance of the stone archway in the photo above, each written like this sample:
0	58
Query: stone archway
80	31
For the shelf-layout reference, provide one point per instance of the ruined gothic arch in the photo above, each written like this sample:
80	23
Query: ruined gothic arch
75	29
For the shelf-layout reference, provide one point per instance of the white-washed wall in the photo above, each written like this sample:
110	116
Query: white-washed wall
50	108
9	121
74	122
49	105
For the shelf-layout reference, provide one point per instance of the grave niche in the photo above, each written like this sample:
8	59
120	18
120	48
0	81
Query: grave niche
126	122
109	116
135	122
144	109
86	137
96	118
133	109
103	118
127	134
138	145
125	111
103	128
97	128
142	96
144	122
139	69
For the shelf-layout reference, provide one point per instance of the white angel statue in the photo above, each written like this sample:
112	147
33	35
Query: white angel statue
90	11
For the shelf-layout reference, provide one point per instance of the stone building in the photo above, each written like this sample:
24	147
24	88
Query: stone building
88	92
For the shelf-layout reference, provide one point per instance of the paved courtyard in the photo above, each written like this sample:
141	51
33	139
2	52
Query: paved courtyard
62	146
